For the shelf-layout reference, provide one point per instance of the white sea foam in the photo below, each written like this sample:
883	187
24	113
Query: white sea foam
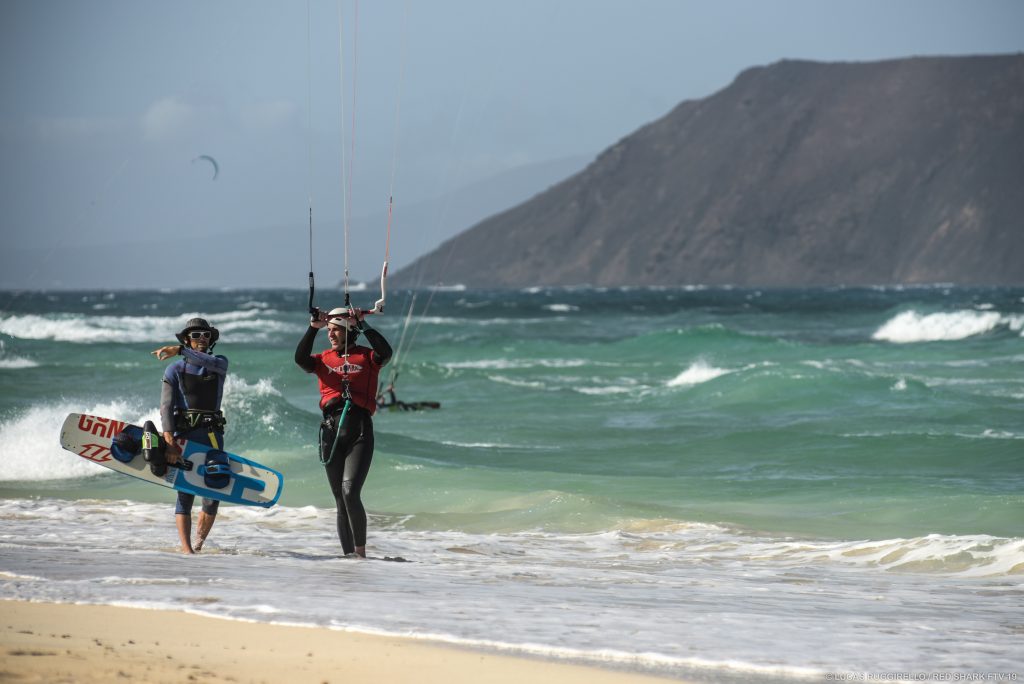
437	320
951	555
250	325
965	556
991	434
30	441
647	596
16	362
13	362
254	304
86	330
510	364
22	578
514	382
241	397
696	374
235	386
479	445
561	308
600	391
911	326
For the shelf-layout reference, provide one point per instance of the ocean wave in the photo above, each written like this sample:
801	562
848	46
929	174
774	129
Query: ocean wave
254	304
991	434
16	362
696	374
937	554
13	362
437	320
514	382
249	325
245	399
235	386
965	556
604	390
911	326
31	448
256	412
515	364
480	445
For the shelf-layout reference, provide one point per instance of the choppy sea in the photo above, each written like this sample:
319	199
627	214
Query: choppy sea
717	484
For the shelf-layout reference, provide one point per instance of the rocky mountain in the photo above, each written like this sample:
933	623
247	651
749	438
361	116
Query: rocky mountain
798	173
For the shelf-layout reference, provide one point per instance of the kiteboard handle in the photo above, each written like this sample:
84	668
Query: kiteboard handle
312	289
378	306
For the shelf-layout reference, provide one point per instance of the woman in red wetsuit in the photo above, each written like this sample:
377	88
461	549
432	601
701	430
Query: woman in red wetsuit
347	375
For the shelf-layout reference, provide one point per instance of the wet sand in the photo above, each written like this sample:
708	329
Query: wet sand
44	642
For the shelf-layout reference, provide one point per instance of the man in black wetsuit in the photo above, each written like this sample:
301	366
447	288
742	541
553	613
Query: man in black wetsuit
193	387
347	375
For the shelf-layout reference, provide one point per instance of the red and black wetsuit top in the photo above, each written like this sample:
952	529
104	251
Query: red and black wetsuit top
359	368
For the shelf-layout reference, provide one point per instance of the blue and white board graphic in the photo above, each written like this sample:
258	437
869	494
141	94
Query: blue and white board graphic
92	438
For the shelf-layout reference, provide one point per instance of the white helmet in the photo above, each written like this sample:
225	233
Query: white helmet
338	316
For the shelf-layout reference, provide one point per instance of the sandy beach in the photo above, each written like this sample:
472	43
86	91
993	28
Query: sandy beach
45	642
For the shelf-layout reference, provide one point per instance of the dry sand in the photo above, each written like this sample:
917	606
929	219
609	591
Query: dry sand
45	642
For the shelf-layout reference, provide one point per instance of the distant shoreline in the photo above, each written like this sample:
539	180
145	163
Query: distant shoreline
373	289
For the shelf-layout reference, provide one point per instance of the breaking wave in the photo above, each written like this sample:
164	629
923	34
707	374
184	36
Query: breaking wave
911	326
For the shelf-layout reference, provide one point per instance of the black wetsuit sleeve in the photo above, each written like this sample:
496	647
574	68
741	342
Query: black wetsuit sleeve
380	346
166	407
303	352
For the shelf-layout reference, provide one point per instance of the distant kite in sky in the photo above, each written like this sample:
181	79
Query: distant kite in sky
216	167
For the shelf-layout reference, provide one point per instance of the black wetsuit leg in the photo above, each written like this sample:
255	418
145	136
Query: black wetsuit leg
347	469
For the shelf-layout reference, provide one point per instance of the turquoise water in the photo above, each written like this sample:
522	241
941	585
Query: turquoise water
777	411
874	431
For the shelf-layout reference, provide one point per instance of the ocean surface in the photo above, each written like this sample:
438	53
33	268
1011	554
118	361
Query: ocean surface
717	484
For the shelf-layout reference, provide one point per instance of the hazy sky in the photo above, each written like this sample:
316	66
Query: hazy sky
107	103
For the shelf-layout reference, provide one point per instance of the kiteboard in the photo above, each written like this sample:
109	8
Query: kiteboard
202	470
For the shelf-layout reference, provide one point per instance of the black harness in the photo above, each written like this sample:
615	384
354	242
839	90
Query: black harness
187	420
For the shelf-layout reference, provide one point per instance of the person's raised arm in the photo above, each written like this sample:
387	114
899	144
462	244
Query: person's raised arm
380	346
215	364
303	352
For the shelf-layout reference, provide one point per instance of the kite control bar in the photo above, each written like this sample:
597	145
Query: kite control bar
353	312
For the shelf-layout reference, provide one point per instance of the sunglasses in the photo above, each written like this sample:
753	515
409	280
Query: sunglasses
200	335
